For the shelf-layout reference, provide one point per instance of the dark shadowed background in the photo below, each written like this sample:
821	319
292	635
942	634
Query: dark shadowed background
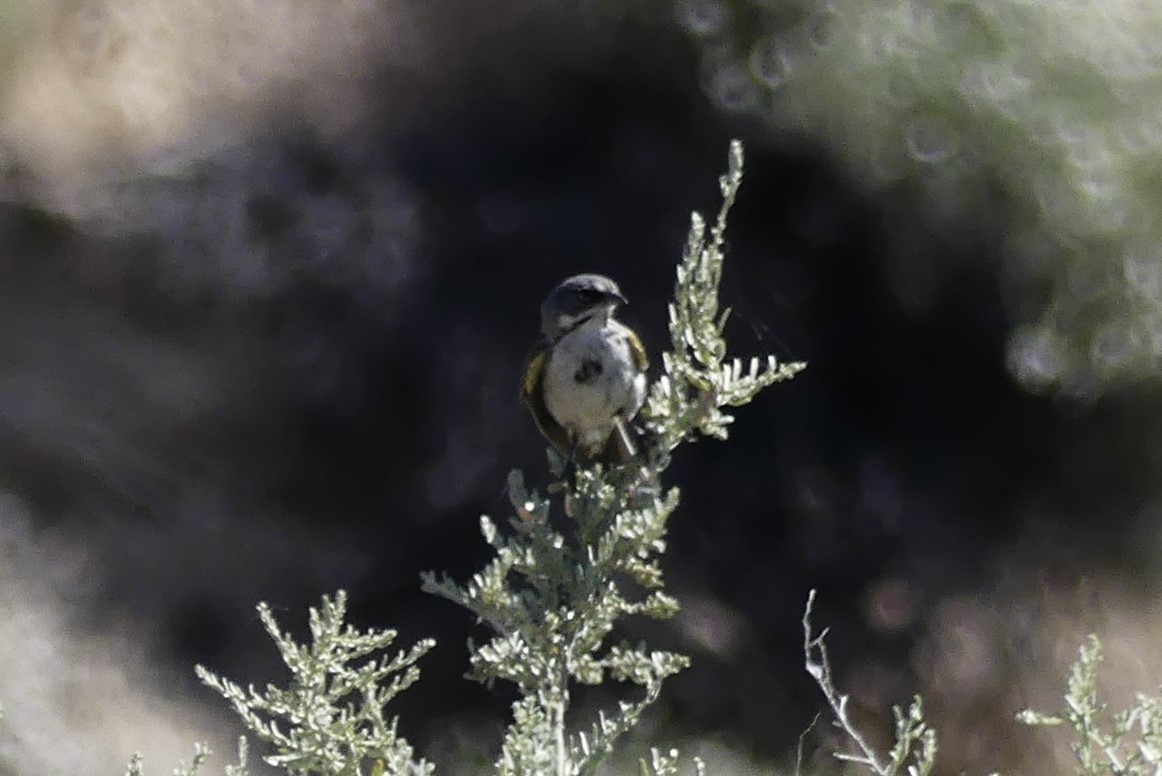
269	271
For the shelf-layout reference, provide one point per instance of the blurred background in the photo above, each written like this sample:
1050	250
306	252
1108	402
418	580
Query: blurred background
269	271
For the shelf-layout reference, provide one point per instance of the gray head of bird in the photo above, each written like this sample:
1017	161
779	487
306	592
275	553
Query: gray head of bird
577	299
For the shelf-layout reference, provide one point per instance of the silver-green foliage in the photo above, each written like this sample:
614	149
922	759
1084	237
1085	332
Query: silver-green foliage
1104	743
698	380
554	593
1125	743
201	754
914	749
552	600
330	718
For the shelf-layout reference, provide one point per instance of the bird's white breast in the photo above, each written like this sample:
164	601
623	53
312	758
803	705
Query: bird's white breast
592	377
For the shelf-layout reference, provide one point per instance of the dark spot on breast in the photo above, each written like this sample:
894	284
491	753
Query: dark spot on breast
589	369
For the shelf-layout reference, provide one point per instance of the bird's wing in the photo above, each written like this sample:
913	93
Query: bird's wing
534	398
638	349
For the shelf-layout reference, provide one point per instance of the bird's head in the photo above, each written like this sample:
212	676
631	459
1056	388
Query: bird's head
576	300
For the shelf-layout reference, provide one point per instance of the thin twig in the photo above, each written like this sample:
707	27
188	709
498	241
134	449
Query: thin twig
820	671
799	748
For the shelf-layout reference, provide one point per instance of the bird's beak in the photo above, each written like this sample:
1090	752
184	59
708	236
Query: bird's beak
618	297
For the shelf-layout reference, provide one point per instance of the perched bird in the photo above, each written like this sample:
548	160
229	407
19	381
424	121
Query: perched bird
588	378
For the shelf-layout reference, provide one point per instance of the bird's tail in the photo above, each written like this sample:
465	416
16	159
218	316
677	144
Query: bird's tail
625	443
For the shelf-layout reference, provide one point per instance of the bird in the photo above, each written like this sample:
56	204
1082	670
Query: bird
587	378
